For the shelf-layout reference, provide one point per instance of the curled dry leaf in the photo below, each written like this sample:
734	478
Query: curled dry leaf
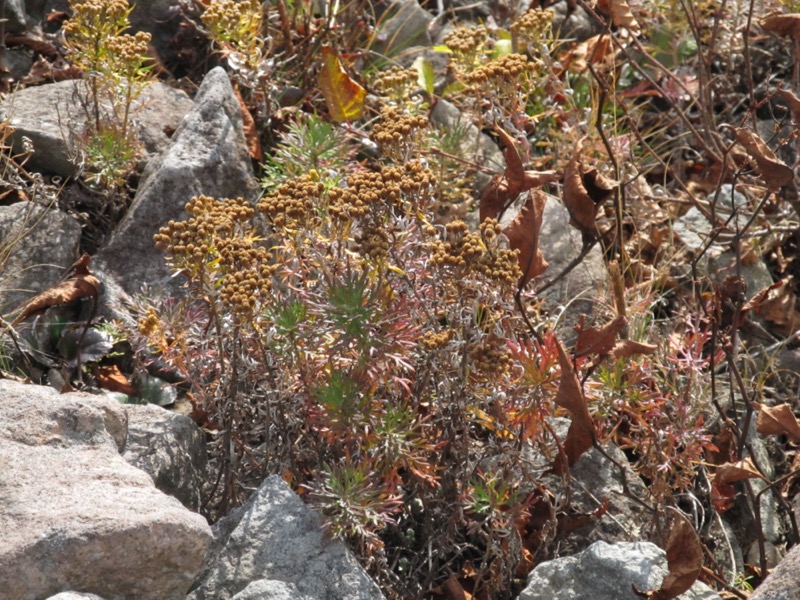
584	191
684	560
581	434
622	16
774	172
249	126
738	471
343	96
523	235
82	284
505	188
777	420
109	377
628	348
792	101
598	340
786	25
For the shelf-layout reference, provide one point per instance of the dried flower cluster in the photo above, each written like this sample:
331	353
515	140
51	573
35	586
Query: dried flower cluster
397	133
533	25
490	355
506	69
467	44
127	52
230	20
396	82
294	203
473	252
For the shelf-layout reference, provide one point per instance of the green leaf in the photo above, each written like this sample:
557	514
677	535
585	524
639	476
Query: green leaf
502	48
425	75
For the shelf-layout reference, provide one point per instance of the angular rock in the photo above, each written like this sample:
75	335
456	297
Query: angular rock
52	118
75	515
784	582
208	156
275	536
269	589
606	572
43	243
403	25
170	448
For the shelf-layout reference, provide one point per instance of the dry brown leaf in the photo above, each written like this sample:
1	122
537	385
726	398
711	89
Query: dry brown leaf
250	131
506	187
738	471
81	285
684	561
787	25
109	377
523	235
793	103
598	340
584	191
777	420
581	434
621	15
774	172
453	590
779	309
628	348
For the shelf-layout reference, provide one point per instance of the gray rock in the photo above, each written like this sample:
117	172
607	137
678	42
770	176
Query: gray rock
75	596
605	572
75	515
162	19
14	13
575	293
577	26
41	244
52	118
208	156
270	589
275	536
784	582
405	24
170	448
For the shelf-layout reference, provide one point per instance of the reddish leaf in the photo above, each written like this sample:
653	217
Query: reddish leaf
684	560
722	496
787	25
343	96
777	420
523	235
773	171
81	285
628	348
581	434
250	131
738	471
584	191
504	189
111	378
598	340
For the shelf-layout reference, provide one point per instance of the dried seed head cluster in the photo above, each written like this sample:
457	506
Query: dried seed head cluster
477	252
294	203
234	21
88	12
397	132
431	340
506	69
533	25
396	82
390	186
149	323
372	241
490	355
218	232
466	43
127	52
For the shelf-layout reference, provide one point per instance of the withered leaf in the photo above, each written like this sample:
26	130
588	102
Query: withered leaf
774	172
787	25
523	235
628	348
792	101
777	420
684	560
249	126
343	96
598	340
584	191
622	16
504	189
738	471
81	285
109	377
581	434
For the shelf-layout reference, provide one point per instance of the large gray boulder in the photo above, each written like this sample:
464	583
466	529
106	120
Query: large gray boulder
275	536
75	515
784	582
38	244
208	156
606	572
170	448
53	118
